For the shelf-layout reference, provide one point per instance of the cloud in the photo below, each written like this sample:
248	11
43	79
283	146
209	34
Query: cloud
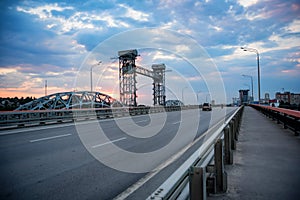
159	56
293	27
247	3
76	20
45	11
44	39
134	14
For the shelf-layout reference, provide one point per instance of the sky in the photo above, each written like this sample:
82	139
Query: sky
199	41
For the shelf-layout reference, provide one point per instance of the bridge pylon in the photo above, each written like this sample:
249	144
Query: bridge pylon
127	79
159	92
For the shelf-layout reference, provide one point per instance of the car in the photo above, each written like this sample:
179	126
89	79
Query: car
206	107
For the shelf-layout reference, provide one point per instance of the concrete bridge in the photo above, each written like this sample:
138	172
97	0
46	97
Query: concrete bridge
50	161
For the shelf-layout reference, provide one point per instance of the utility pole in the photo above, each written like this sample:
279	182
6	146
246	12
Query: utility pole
258	70
45	87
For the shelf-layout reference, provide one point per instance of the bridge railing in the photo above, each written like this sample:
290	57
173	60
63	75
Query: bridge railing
204	170
289	118
13	119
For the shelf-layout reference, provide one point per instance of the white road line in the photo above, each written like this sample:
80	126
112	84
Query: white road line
177	122
49	138
99	145
142	121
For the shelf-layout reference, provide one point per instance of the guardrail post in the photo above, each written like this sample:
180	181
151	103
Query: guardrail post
231	130
235	128
273	115
296	125
285	122
228	151
197	180
221	176
278	117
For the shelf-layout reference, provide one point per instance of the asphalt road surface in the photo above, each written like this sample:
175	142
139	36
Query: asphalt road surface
71	161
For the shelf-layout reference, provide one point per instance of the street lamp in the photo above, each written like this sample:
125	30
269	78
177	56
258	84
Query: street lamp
206	97
251	83
182	94
92	74
258	71
199	92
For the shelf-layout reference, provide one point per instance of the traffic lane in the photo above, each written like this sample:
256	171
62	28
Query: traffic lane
33	145
90	181
169	129
144	189
59	173
17	137
37	169
21	136
149	152
52	156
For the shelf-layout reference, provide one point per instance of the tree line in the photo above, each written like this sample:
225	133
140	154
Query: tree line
8	103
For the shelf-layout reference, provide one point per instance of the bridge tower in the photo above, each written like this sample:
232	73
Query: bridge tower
159	92
127	79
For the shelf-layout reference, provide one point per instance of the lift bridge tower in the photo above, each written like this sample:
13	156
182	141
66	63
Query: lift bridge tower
127	79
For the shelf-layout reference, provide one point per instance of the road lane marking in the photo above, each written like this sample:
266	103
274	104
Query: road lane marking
176	122
141	121
49	138
99	145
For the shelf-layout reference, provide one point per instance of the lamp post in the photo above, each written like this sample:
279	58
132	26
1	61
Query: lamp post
92	74
46	87
182	94
251	84
199	92
258	70
206	97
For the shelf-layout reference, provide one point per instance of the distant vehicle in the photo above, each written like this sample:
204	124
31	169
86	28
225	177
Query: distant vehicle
206	107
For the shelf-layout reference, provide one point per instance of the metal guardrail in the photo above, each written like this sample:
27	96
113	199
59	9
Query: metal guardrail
289	118
14	119
204	170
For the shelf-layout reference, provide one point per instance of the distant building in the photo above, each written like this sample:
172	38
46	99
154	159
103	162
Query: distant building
287	97
295	98
174	103
267	96
266	100
235	101
244	97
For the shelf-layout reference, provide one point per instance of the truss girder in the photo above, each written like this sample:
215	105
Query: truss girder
69	100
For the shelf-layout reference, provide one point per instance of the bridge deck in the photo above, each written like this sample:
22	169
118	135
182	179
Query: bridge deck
266	162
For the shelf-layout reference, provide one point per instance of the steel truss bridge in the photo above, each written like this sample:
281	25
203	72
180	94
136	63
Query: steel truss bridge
69	100
127	82
127	79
